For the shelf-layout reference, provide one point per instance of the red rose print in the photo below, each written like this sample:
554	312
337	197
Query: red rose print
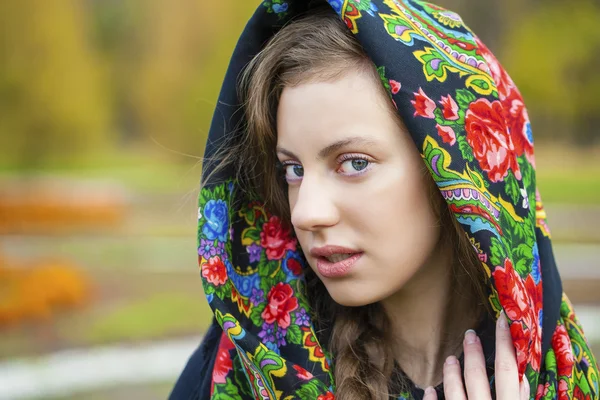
561	343
424	106
521	302
535	292
214	271
450	110
563	391
280	303
275	239
446	133
517	119
503	82
536	345
578	394
326	396
223	362
302	373
294	266
542	390
521	343
488	136
511	290
395	86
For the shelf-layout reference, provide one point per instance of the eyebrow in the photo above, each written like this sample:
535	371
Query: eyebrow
335	146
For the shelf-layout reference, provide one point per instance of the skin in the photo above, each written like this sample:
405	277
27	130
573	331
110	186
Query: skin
382	210
355	179
476	382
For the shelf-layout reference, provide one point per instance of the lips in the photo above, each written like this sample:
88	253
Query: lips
338	269
335	261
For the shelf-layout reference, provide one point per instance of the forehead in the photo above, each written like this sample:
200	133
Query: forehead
350	106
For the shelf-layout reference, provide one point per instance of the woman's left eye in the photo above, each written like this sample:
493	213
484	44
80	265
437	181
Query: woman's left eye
353	166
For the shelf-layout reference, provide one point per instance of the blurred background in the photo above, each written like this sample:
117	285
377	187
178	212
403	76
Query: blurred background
104	110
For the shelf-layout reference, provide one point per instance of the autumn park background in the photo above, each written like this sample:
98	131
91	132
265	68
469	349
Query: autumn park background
104	110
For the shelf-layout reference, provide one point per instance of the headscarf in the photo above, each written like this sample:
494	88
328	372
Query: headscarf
469	122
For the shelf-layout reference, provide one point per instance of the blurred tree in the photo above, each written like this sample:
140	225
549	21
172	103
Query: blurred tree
168	62
76	75
52	102
552	53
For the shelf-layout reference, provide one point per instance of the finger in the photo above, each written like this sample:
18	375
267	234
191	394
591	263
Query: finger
476	380
430	394
525	391
453	383
507	374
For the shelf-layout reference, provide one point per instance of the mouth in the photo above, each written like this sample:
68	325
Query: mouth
337	265
334	258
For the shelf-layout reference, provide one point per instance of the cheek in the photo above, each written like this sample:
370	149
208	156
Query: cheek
304	240
397	218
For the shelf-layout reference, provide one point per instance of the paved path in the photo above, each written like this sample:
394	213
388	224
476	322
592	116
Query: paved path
78	371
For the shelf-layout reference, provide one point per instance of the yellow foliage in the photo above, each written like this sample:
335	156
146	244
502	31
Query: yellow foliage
52	208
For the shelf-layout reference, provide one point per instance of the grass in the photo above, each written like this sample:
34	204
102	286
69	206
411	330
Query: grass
578	187
568	175
139	170
157	316
129	306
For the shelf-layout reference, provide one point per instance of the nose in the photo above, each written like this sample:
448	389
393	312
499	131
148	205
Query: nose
314	206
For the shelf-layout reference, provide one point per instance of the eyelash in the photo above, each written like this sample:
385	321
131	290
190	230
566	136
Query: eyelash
348	157
341	160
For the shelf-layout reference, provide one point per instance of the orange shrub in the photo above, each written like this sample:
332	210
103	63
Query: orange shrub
40	291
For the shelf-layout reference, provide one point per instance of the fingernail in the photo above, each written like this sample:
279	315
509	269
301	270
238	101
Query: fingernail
451	360
429	390
470	336
525	384
502	322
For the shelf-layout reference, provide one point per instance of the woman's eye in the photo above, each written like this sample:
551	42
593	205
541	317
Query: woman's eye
353	165
293	172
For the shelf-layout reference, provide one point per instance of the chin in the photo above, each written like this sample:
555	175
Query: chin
344	294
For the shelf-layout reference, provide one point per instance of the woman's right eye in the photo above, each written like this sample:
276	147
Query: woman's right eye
293	172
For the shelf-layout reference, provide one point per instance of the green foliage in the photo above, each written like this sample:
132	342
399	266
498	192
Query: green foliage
512	187
226	391
255	314
294	334
498	254
308	391
464	97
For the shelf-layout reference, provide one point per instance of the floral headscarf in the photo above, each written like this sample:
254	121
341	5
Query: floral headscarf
471	127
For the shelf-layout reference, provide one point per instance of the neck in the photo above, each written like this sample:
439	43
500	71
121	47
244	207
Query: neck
428	318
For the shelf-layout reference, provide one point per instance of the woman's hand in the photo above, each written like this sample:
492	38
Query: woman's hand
508	386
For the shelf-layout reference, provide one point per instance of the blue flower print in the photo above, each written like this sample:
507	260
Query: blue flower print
280	336
254	252
535	266
217	220
267	334
258	296
280	8
336	5
207	249
302	318
529	132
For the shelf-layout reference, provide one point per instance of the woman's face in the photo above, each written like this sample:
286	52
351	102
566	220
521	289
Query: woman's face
358	189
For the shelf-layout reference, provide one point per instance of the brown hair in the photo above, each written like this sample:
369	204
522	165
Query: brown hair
319	47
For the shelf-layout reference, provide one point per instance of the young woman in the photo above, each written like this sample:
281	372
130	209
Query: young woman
368	196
